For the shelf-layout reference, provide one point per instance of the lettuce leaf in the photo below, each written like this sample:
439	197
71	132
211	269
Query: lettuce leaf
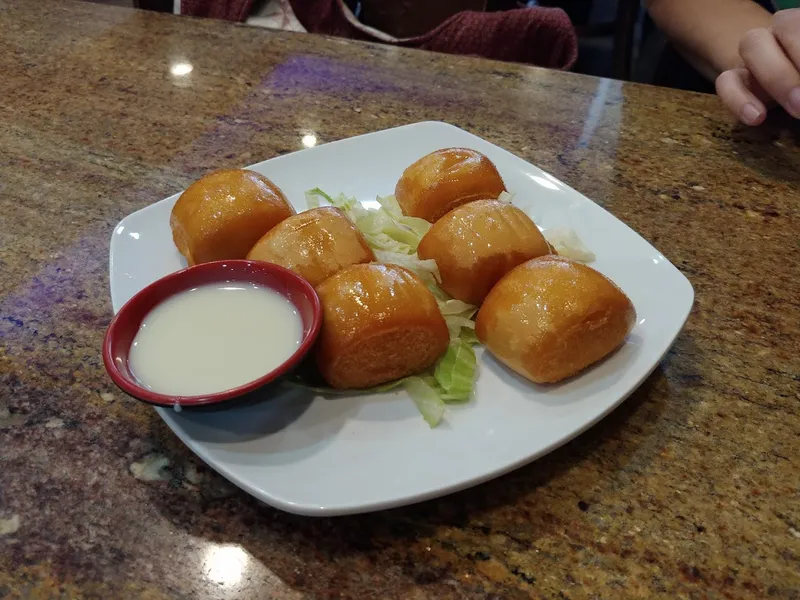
506	197
428	400
567	243
427	270
455	371
469	336
457	307
385	228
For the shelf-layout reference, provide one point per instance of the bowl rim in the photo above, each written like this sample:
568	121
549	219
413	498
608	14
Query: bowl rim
129	386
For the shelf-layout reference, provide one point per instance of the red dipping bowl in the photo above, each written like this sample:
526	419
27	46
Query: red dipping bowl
126	323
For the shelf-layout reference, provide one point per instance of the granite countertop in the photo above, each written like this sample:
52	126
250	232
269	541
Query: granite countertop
689	490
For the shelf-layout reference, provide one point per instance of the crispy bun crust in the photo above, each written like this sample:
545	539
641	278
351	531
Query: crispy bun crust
475	244
223	214
442	180
551	317
315	244
380	323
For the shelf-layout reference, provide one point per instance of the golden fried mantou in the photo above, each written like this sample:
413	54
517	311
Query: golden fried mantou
315	244
379	323
551	317
475	244
223	214
442	180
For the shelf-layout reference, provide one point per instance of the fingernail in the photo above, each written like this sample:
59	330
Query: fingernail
794	101
750	114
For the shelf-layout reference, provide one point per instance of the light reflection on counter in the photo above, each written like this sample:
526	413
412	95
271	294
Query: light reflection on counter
181	69
225	564
309	140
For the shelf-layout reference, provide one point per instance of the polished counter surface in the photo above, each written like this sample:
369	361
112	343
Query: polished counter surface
689	490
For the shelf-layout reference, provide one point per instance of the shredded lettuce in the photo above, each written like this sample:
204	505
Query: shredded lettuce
567	243
391	204
456	324
385	228
457	307
469	336
506	197
427	270
428	400
455	371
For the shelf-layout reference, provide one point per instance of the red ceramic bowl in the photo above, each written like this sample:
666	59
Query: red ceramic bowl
125	324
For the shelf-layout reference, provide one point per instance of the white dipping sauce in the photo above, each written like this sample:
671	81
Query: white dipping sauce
214	338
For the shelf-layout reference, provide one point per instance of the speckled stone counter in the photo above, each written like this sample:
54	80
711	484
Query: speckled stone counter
689	490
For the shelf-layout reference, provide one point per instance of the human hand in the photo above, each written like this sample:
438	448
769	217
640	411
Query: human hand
771	71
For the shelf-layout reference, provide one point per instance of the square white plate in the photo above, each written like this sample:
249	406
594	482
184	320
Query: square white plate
317	456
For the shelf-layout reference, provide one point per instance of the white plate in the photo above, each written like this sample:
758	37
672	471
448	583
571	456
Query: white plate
317	456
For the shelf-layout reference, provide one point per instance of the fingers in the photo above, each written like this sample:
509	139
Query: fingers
772	71
786	29
734	88
777	74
